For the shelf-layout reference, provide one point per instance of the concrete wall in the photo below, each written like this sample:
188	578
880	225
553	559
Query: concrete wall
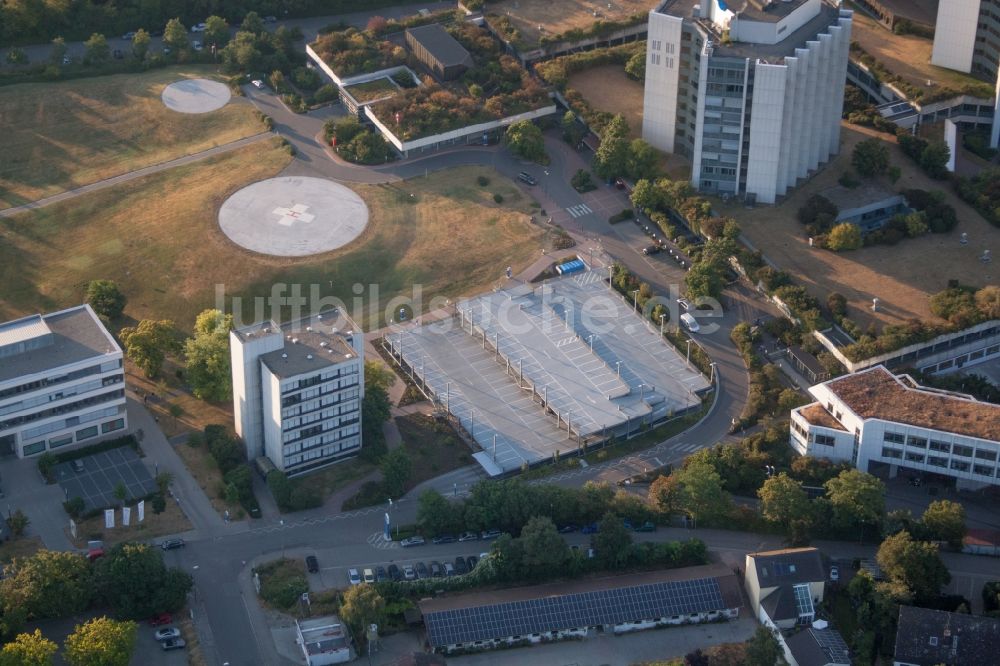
247	406
271	417
955	34
660	93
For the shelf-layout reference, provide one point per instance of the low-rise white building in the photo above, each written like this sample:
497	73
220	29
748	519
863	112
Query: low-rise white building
62	382
323	641
874	418
297	390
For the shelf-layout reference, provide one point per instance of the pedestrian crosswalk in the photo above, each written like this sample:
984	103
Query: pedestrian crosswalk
681	446
377	540
579	210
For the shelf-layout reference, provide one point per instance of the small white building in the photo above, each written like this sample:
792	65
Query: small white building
323	641
875	419
62	382
297	390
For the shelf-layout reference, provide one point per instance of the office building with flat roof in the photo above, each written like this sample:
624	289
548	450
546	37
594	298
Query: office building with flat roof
297	390
752	94
62	382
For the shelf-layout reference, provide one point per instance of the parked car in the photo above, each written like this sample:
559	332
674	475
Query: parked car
460	566
690	322
526	177
468	536
422	570
490	534
353	577
67	61
258	83
436	570
684	303
472	561
449	569
566	529
590	529
627	523
128	36
118	54
834	574
270	19
647	526
312	564
412	541
161	619
380	574
409	573
652	249
197	46
369	576
167	633
444	538
77	464
198	28
394	573
172	544
619	183
173	644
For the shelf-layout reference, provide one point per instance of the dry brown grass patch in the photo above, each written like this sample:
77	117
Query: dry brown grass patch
558	17
171	521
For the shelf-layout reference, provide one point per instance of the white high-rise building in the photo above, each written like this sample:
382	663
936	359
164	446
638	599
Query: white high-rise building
297	390
62	382
750	90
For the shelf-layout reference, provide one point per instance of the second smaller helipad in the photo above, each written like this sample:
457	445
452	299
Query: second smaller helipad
196	96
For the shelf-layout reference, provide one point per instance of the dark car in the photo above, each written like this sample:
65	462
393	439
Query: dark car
412	541
444	538
422	570
460	566
472	561
490	534
590	529
566	529
394	573
380	574
652	249
647	526
161	619
172	544
436	570
118	55
312	564
468	536
526	177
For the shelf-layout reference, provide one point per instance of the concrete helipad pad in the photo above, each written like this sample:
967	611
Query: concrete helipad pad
196	95
293	216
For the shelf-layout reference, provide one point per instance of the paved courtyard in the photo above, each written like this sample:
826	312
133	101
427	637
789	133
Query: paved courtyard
102	472
532	370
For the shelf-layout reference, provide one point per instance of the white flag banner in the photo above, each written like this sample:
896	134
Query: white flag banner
126	515
72	527
141	511
109	518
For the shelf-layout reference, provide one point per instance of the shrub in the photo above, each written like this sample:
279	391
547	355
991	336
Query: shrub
74	507
844	236
498	198
326	93
582	181
848	180
482	181
626	214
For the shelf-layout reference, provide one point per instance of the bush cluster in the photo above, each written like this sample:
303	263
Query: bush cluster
227	452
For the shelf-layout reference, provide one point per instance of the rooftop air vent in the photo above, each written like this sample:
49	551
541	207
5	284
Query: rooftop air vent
309	329
295	341
309	357
284	356
324	344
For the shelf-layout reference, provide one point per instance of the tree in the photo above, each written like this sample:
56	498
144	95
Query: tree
573	132
375	408
945	520
175	35
106	298
17	56
396	467
837	304
871	157
207	353
120	492
97	51
525	140
216	31
857	499
665	495
612	542
253	24
844	236
48	584
934	159
280	487
783	501
762	649
28	650
613	152
816	209
18	522
101	642
544	551
643	160
362	605
702	496
988	301
646	195
916	565
704	280
133	580
435	514
58	51
140	44
148	344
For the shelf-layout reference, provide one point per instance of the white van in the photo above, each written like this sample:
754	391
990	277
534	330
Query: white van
690	322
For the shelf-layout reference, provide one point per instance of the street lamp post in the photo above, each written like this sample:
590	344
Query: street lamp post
447	396
618	368
662	319
689	352
590	339
711	379
635	301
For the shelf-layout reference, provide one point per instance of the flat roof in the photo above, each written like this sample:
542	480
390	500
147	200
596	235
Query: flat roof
921	11
767	11
310	343
817	415
876	393
76	335
828	15
849	199
441	45
605	600
322	634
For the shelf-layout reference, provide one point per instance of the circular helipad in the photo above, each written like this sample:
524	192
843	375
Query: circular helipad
196	95
293	216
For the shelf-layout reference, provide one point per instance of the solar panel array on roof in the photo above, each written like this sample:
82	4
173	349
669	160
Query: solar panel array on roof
534	616
833	644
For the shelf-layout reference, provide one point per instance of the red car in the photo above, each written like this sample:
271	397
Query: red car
160	619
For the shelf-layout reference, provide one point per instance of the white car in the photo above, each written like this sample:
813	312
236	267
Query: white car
167	633
353	577
690	322
369	576
197	46
198	28
683	302
834	574
258	83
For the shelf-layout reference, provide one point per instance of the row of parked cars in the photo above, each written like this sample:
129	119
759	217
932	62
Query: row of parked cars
485	535
418	571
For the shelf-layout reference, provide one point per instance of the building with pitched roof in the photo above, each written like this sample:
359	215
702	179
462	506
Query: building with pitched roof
62	382
614	604
819	645
927	637
878	421
785	586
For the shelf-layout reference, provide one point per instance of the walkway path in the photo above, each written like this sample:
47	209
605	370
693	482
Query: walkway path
132	175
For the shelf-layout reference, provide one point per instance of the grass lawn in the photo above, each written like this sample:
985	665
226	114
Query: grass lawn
901	276
282	582
61	135
434	447
25	546
372	90
202	467
331	479
159	238
171	521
